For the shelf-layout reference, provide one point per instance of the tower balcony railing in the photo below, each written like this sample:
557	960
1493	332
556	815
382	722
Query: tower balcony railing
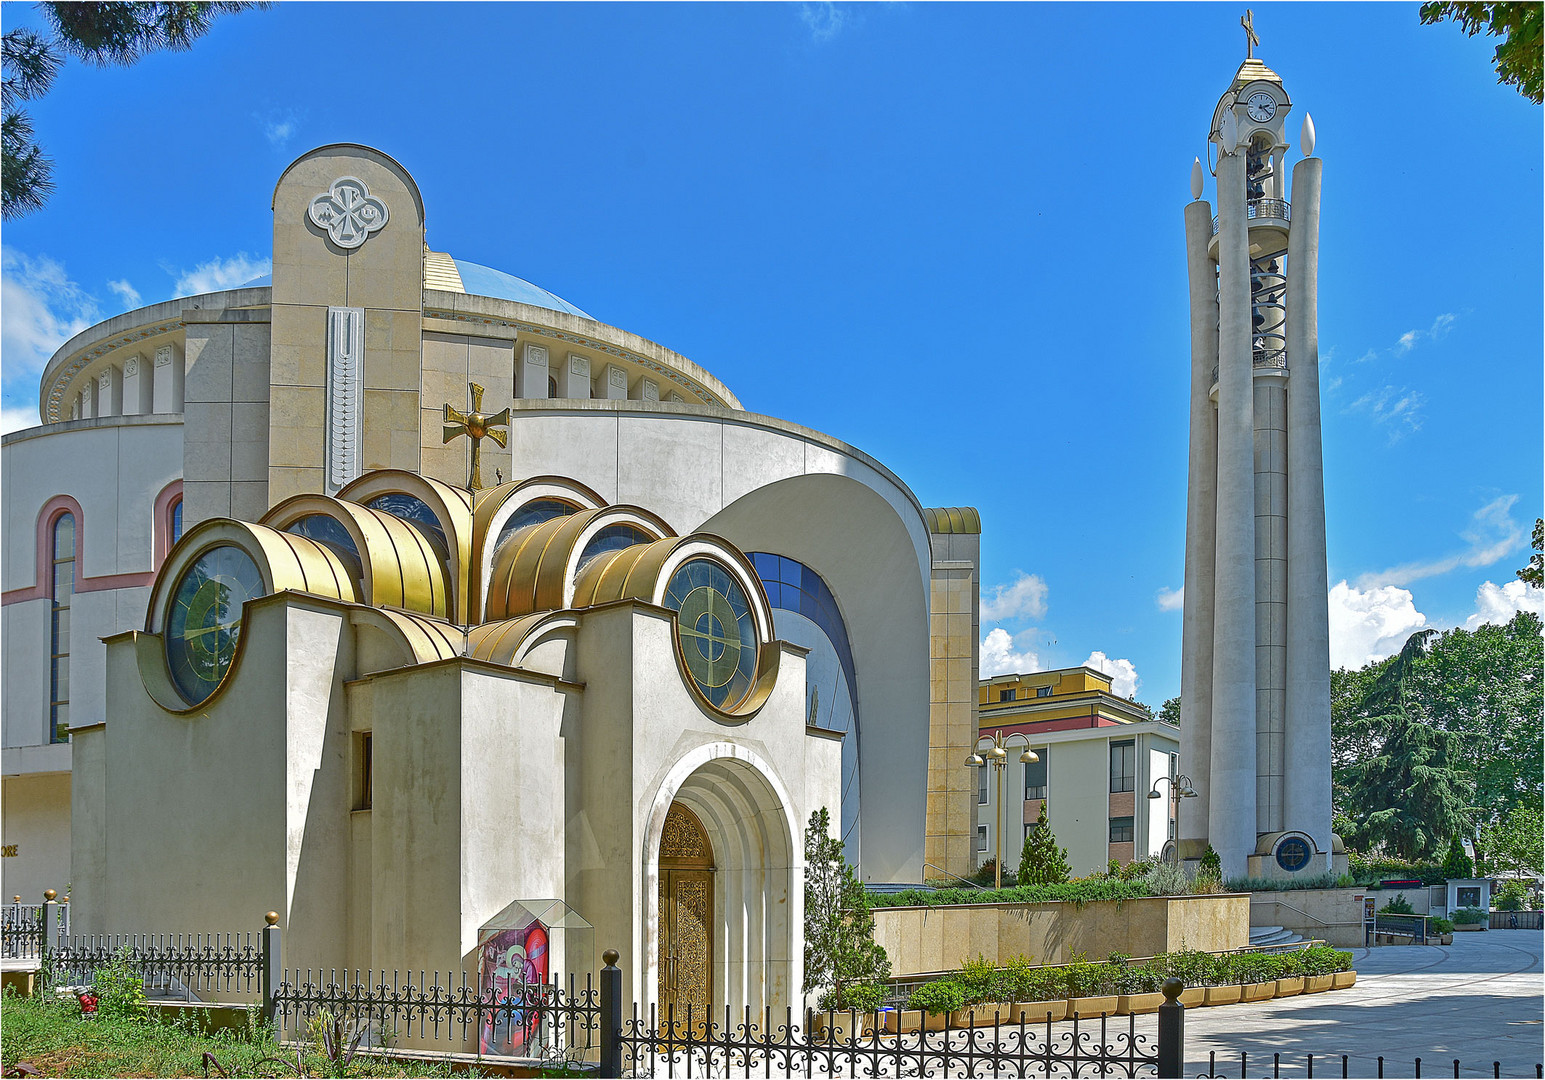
1259	359
1258	209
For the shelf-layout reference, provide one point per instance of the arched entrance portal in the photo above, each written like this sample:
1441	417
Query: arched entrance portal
721	841
686	914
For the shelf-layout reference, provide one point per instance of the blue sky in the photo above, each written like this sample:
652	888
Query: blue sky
949	235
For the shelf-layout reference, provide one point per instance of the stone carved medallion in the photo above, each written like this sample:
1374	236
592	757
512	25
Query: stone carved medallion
348	212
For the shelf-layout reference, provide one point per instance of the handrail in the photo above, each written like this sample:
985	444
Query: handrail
1256	209
1301	911
957	877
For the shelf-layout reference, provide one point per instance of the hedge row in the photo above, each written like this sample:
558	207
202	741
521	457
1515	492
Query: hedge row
1078	892
982	982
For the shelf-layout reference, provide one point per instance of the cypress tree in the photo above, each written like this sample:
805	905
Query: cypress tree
1041	861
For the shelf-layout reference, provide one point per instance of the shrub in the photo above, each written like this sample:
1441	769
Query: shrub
1078	892
1041	861
1470	916
1166	879
1456	864
1211	864
1251	968
1190	966
120	989
1440	925
1087	979
1367	870
938	997
978	981
1511	896
1327	880
864	997
1323	960
1398	906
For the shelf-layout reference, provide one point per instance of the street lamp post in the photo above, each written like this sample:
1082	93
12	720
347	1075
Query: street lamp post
1179	788
997	757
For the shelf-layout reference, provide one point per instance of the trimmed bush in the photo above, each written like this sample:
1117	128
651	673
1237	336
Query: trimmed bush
938	997
1080	892
1440	925
1470	916
1398	906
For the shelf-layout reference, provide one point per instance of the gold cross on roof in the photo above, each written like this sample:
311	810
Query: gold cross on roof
1251	41
477	426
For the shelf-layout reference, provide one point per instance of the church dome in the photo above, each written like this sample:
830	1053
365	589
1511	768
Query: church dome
449	274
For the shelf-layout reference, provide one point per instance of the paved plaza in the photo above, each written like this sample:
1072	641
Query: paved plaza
1480	1000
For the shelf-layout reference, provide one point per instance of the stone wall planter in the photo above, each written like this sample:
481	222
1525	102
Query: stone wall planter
839	1026
1035	1012
1258	992
1290	986
1223	995
899	1020
1445	939
1092	1008
1343	979
1137	1004
1315	984
1467	927
1193	997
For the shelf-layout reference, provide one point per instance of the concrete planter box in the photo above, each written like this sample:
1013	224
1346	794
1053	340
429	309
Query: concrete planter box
1035	1012
1092	1008
1137	1004
1341	980
1290	986
1467	927
1316	984
1192	997
1258	992
841	1026
1223	995
1445	939
899	1020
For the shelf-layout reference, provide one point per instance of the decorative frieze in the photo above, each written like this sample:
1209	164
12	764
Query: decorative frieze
345	371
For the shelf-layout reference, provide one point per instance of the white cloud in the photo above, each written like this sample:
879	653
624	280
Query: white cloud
1025	595
14	419
1370	624
999	657
824	20
126	292
1411	338
1498	604
40	309
1123	675
1493	534
217	274
1171	599
1398	408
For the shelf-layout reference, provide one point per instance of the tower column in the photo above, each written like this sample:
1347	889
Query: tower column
1307	795
1201	527
1231	810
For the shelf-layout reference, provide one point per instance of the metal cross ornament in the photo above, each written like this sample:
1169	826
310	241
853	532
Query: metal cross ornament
477	426
1251	41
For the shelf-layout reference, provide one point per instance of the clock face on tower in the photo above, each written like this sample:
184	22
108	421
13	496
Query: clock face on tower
203	620
1261	106
715	631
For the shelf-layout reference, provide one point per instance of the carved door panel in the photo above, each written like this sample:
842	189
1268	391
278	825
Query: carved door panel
686	942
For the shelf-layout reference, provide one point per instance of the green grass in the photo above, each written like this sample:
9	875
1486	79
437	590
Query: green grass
53	1038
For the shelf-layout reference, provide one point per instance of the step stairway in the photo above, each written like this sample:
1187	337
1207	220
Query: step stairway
1274	938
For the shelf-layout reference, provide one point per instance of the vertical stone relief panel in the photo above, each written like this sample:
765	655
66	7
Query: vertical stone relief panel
345	384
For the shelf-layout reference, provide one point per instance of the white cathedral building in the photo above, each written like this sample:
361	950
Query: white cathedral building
394	591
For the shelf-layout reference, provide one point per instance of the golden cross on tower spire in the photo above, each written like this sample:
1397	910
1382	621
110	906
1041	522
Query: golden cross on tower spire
1251	41
477	426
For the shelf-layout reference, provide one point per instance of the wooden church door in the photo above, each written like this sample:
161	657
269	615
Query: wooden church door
686	917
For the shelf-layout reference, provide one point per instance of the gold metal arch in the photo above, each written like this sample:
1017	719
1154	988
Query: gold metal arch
452	507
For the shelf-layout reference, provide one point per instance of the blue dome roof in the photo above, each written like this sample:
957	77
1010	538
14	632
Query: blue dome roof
486	281
476	280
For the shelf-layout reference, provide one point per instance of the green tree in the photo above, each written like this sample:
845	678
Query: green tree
1456	864
1409	793
1169	712
1514	844
1534	573
101	33
1517	59
1041	861
840	949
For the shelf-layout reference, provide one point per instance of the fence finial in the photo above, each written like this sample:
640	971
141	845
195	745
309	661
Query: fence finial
610	957
272	918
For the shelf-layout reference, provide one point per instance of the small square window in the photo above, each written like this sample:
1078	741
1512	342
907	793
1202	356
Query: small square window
1005	695
1043	691
981	838
1121	830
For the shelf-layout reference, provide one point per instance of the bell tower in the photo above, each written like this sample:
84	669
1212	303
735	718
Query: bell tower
1255	666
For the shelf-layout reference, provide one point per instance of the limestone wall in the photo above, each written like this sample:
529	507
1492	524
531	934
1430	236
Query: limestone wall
923	940
1333	915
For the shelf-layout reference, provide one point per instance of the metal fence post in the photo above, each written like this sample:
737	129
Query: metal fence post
1172	1032
611	1015
271	959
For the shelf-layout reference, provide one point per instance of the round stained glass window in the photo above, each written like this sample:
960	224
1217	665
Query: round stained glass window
203	620
1293	854
715	631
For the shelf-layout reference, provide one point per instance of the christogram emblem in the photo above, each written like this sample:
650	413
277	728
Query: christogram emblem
348	212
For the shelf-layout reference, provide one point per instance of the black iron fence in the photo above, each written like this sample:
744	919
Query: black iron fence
24	928
1344	1065
1415	927
186	966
